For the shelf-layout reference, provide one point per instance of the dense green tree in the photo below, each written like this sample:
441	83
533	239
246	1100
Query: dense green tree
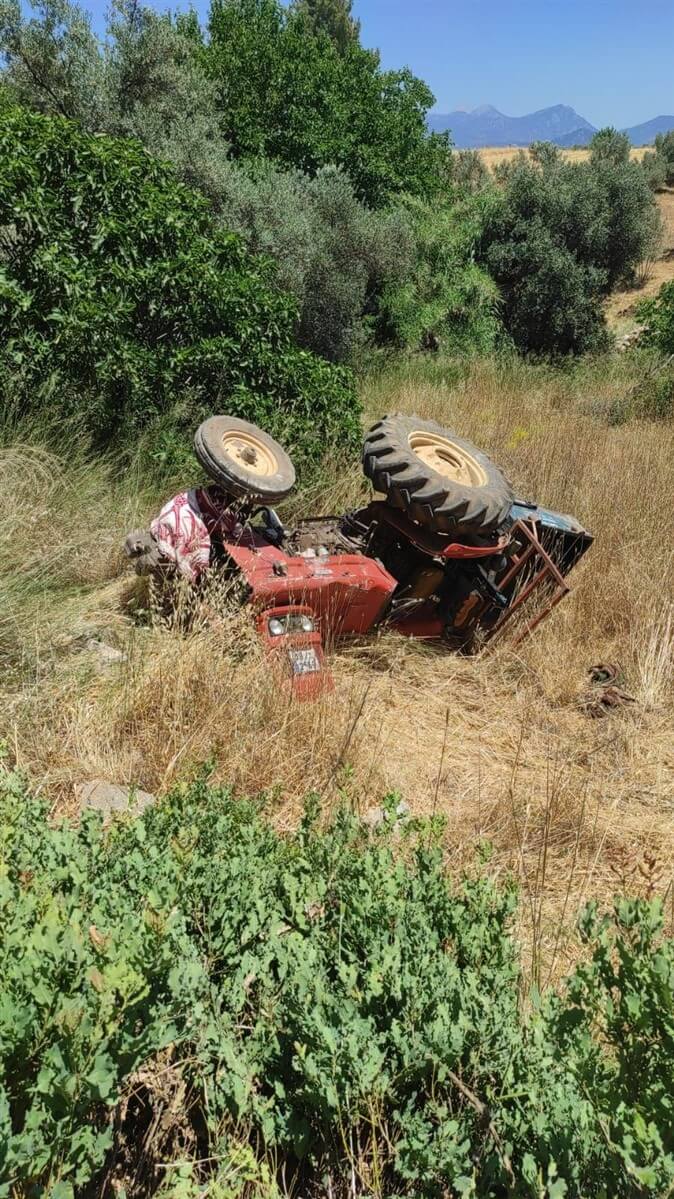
270	85
560	236
301	101
124	305
330	17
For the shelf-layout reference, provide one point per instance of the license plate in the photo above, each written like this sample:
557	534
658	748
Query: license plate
304	661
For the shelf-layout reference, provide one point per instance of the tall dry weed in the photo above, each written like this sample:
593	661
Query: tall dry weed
500	745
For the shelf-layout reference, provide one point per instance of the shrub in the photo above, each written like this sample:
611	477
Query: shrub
659	166
328	998
333	254
468	171
563	235
121	302
444	299
657	315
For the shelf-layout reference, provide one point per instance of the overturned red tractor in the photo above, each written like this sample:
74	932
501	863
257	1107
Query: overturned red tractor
448	553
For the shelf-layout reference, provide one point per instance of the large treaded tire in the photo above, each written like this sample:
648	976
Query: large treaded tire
431	498
221	444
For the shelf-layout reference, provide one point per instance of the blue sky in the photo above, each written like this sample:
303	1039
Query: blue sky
611	60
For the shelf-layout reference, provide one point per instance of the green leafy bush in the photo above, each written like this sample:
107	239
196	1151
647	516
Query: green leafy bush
561	237
658	317
659	165
444	299
329	997
122	302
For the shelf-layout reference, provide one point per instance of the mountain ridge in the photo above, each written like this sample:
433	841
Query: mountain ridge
558	123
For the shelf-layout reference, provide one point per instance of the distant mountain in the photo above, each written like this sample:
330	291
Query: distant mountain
577	137
486	126
643	135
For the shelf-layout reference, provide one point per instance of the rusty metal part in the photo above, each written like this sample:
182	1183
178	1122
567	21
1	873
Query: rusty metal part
466	613
537	568
603	695
437	545
425	582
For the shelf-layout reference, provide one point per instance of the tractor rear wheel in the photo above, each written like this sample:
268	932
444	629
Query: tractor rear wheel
439	479
243	459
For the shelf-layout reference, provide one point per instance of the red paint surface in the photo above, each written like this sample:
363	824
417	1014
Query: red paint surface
302	686
346	593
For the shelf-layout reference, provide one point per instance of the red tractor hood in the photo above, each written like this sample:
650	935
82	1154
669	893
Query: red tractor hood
346	592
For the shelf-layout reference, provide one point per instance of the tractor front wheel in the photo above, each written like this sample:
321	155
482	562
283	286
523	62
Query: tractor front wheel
243	459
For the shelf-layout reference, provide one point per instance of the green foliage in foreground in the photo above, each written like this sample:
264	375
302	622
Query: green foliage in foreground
658	315
320	992
123	304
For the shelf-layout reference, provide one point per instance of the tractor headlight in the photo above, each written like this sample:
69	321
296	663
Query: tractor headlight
292	623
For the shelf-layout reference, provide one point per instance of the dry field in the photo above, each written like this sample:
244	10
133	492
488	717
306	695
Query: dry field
500	745
495	155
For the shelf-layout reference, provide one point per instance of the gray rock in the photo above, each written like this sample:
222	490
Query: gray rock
374	817
106	655
628	340
107	797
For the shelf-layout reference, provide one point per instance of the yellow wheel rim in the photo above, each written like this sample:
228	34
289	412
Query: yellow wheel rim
447	458
249	452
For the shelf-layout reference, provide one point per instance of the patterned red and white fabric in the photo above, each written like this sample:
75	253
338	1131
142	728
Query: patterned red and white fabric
185	525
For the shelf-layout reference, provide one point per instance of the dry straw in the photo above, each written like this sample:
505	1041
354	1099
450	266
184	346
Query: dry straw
500	744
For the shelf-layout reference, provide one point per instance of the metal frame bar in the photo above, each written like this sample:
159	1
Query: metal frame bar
548	569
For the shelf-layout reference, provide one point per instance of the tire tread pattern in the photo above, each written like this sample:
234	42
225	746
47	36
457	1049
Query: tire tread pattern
424	494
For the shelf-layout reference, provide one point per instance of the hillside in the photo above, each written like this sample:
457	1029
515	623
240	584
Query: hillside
644	134
310	886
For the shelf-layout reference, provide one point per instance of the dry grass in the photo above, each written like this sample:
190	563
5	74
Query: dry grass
495	155
500	744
